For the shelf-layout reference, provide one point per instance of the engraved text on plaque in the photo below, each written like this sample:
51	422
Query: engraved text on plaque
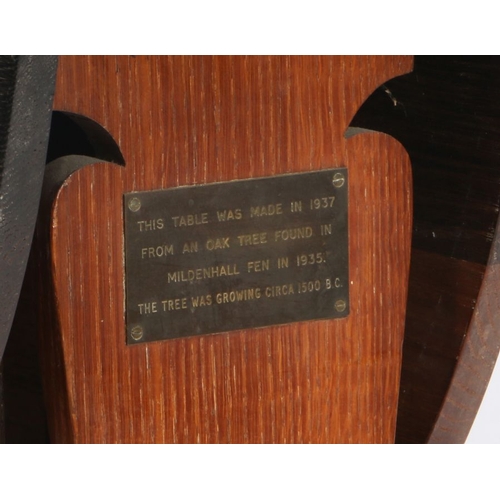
236	255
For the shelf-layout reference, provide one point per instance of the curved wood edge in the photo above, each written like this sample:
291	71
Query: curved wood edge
477	358
403	66
27	92
448	111
66	421
40	266
61	414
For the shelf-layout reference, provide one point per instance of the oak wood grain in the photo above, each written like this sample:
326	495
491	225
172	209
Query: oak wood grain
195	120
445	113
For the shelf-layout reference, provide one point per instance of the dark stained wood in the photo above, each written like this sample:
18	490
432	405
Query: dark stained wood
477	359
447	115
25	420
436	338
188	120
26	94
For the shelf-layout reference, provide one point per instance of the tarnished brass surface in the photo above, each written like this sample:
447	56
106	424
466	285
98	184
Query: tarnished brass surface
236	255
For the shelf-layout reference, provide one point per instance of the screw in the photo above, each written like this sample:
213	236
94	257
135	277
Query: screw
340	305
136	333
134	204
338	180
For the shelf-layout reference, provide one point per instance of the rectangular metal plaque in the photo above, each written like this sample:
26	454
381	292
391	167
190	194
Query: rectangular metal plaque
236	255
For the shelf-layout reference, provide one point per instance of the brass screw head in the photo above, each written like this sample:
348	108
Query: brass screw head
340	305
134	204
338	180
136	333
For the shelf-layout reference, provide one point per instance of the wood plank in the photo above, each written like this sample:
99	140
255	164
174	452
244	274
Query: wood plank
445	113
195	120
477	359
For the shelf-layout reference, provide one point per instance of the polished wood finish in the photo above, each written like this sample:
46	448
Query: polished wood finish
191	120
446	114
477	359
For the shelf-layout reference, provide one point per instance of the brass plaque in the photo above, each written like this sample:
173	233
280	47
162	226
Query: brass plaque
236	255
